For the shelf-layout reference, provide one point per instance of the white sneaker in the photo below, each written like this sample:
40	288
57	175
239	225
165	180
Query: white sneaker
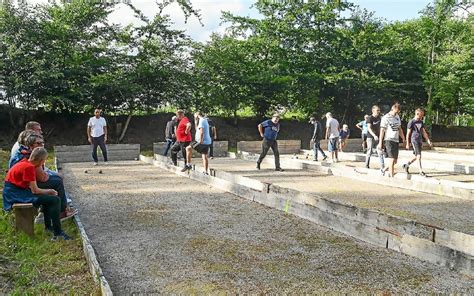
95	163
106	162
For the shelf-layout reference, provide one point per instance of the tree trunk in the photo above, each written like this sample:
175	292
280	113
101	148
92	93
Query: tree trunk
125	128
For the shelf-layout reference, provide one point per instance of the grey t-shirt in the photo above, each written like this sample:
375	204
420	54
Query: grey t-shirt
391	124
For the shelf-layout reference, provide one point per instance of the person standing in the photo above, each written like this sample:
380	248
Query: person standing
364	130
170	134
373	132
416	132
332	135
183	137
97	135
344	134
269	132
390	131
213	133
316	138
202	143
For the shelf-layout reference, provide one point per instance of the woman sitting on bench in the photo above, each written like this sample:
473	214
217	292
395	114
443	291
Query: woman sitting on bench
20	187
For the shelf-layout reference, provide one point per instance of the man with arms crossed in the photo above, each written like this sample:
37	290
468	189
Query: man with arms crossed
416	132
202	143
390	131
97	135
332	135
373	132
183	137
269	132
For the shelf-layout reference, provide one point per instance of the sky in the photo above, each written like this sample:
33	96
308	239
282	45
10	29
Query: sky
210	10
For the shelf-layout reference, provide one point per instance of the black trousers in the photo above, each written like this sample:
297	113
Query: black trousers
178	146
99	141
211	149
266	145
51	207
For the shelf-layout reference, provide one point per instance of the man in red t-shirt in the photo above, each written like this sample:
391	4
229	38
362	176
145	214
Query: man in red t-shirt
183	137
21	187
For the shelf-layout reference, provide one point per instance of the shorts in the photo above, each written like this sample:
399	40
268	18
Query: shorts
416	148
200	148
332	144
391	149
364	137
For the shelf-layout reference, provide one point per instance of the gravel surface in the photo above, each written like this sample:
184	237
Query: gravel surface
156	232
451	213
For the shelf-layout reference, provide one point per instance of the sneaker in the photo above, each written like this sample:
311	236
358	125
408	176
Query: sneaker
325	157
382	171
315	160
258	166
68	214
406	167
61	236
212	157
422	174
40	218
367	166
96	163
106	162
279	170
186	168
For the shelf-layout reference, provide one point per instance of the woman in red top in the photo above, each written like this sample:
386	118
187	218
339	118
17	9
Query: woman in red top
20	187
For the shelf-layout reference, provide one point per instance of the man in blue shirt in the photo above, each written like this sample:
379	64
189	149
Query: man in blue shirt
202	142
269	131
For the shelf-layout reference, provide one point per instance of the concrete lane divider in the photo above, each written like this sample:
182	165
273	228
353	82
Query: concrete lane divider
399	234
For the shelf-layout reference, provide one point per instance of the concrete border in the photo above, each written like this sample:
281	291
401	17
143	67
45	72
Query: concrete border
448	188
399	234
89	253
82	153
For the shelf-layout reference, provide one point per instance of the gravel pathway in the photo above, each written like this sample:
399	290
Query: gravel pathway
451	213
156	232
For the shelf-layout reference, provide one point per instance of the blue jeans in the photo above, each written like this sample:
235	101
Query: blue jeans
169	143
316	148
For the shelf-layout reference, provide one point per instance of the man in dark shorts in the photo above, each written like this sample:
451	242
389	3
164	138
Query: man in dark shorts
201	144
416	132
390	131
269	132
183	137
373	132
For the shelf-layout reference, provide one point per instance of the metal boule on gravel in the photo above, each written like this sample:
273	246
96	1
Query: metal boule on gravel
100	172
85	171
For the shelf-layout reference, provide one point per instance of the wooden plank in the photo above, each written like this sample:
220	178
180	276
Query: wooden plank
24	218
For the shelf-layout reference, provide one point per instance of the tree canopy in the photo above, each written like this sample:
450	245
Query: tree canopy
309	57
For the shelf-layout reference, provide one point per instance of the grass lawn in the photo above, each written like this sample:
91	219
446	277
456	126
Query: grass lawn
37	266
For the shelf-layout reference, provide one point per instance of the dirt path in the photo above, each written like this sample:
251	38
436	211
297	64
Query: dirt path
157	232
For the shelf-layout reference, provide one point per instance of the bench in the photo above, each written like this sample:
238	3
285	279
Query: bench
24	217
220	149
284	146
83	153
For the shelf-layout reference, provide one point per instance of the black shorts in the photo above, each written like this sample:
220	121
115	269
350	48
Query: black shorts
201	148
416	148
364	137
391	149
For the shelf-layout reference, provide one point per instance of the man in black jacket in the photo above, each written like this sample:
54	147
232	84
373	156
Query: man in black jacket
170	134
316	139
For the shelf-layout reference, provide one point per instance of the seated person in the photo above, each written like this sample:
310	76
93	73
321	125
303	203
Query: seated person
21	187
21	150
343	136
43	178
31	126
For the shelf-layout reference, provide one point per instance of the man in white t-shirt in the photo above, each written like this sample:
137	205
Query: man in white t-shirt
332	135
97	135
390	132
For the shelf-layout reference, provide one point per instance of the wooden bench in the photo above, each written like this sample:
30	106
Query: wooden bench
284	146
24	217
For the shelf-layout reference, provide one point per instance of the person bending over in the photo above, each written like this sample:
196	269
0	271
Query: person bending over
201	144
21	187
